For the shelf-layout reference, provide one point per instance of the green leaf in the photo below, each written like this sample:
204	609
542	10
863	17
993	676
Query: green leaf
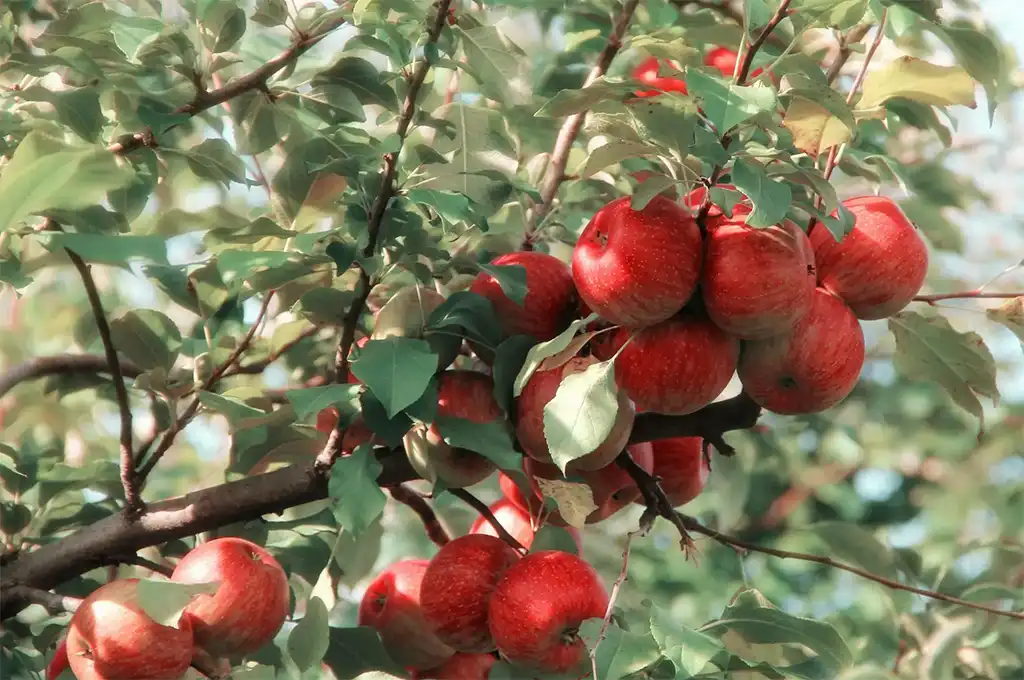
356	650
929	349
771	199
312	400
511	278
491	440
568	102
325	306
551	537
108	249
757	622
223	24
452	206
44	173
357	501
508	361
397	370
612	153
580	416
309	639
549	348
79	109
256	118
1011	315
853	544
147	337
621	652
727	105
687	649
214	159
270	12
164	601
979	55
492	59
918	81
467	312
814	129
648	189
362	78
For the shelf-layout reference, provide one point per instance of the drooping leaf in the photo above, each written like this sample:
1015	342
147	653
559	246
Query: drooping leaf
814	129
727	105
541	351
1011	315
491	440
310	400
147	337
511	278
687	649
621	653
397	370
356	499
308	641
919	81
771	199
163	601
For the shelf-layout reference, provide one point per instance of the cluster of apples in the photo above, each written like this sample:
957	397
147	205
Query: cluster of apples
450	617
111	637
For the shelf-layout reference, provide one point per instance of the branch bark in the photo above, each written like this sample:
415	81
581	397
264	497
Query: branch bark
418	504
485	512
54	603
61	364
129	480
555	174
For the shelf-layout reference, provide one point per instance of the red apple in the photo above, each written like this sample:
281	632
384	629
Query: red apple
550	299
59	662
647	73
538	606
756	283
539	390
514	495
677	367
460	394
457	587
810	369
637	268
611	486
111	637
682	467
356	434
880	266
517	522
391	605
462	667
724	59
250	604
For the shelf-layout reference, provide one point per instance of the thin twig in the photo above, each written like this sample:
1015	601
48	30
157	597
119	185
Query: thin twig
145	446
418	504
139	561
133	502
253	81
555	174
846	50
485	512
932	299
332	449
698	528
646	522
190	411
655	498
261	365
52	602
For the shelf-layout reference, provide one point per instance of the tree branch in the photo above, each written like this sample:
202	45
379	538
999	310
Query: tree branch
253	81
133	502
53	603
555	174
655	498
61	364
332	449
966	295
406	496
485	512
726	10
257	367
846	50
698	528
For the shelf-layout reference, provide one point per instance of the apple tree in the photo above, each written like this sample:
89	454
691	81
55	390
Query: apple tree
507	339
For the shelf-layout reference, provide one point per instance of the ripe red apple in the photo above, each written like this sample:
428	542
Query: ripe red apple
111	637
756	283
724	59
538	606
550	298
682	467
517	522
59	661
539	390
514	495
460	394
462	667
677	367
457	587
811	368
356	434
878	267
611	486
391	605
250	604
636	268
647	73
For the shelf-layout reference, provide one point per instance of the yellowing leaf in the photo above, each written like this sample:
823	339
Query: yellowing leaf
929	349
575	501
918	81
581	414
1011	315
814	129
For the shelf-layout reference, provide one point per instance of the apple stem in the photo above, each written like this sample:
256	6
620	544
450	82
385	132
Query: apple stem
435	530
485	512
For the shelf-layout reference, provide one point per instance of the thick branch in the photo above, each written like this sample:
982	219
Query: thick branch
485	512
332	449
555	174
418	504
698	528
61	364
133	502
253	81
52	602
738	413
